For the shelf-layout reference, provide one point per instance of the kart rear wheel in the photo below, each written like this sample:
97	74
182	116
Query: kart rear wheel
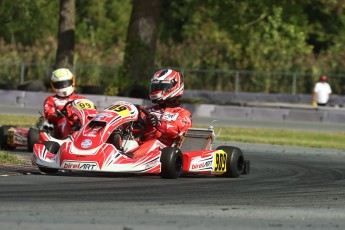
33	138
52	147
235	162
171	163
3	138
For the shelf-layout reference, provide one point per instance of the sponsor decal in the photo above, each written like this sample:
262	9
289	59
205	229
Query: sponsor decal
102	116
196	158
99	117
151	164
202	165
60	102
86	143
91	134
80	165
170	116
219	161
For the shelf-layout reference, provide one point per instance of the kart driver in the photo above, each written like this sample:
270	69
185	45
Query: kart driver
62	83
168	119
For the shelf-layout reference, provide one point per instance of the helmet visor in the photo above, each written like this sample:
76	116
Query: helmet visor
160	86
62	84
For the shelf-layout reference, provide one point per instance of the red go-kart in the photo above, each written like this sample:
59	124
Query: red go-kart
107	144
12	137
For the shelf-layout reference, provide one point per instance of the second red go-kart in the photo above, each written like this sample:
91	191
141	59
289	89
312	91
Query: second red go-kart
12	137
107	144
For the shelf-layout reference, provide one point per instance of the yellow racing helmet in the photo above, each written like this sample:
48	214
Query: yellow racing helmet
62	82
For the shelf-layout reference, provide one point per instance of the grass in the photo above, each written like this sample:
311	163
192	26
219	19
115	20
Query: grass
8	158
15	120
334	140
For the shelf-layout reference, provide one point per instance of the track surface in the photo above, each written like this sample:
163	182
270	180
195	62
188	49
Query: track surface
288	188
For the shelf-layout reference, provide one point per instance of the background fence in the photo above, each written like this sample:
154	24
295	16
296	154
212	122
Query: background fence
15	73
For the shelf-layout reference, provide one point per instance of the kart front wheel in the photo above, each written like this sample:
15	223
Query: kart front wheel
33	138
171	163
235	162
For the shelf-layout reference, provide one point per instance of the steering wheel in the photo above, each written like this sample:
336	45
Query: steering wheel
63	112
141	122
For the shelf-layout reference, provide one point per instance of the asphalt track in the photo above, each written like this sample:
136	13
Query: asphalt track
288	188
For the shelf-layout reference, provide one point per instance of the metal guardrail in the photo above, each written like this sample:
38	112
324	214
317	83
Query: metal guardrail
233	98
236	81
250	111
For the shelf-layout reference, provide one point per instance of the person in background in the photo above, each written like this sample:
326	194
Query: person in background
62	83
168	119
322	91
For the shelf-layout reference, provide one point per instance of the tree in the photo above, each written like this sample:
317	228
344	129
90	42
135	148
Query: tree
141	40
64	53
26	22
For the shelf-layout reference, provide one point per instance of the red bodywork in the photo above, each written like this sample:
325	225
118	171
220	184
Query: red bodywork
89	149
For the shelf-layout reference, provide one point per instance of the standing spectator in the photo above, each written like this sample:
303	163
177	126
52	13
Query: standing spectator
322	92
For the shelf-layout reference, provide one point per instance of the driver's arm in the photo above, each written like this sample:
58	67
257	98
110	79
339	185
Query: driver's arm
176	128
50	110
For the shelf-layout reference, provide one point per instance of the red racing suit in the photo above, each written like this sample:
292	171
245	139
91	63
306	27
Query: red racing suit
62	125
172	123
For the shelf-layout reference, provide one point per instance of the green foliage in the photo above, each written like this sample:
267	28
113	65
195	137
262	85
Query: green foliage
102	23
248	35
269	37
25	21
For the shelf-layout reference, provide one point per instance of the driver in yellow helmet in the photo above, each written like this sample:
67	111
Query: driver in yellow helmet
62	83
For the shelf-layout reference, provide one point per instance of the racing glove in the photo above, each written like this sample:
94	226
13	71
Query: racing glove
61	113
154	120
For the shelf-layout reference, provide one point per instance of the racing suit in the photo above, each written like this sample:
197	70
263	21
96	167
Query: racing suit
173	122
62	125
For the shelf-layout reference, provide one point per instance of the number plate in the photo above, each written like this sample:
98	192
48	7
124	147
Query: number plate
219	161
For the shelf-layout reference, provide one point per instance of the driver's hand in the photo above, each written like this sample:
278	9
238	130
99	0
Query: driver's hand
61	113
154	120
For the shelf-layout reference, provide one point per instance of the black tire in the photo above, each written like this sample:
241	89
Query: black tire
7	85
246	169
135	91
52	147
93	89
171	163
33	138
34	86
3	138
235	161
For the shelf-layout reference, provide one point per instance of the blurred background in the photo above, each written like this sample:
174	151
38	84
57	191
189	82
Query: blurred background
114	46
